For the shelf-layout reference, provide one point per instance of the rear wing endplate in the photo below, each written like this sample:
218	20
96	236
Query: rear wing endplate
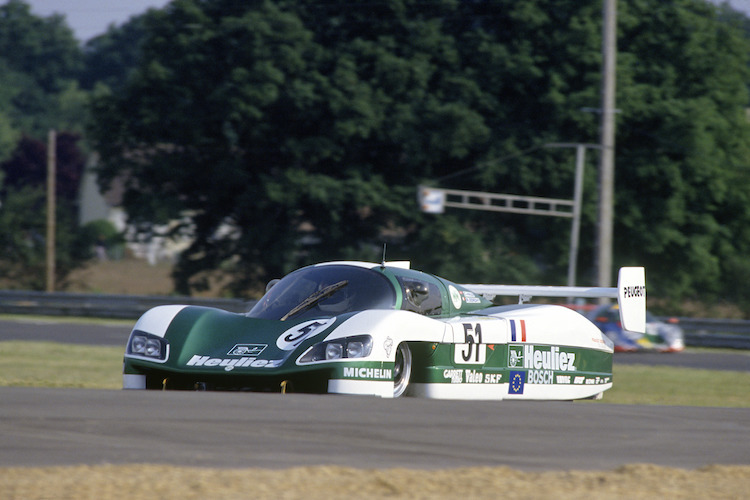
630	294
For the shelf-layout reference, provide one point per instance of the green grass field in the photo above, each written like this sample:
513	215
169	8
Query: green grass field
52	364
658	385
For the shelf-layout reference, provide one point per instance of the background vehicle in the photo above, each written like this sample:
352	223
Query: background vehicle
659	336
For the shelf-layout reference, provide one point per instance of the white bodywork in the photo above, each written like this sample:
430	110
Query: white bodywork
547	339
542	325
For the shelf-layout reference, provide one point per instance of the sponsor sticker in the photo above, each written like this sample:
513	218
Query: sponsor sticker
634	291
368	373
455	376
247	350
469	376
540	377
292	338
545	358
230	364
455	297
516	382
515	356
388	345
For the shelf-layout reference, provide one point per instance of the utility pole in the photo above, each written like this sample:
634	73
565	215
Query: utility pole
51	169
577	203
578	200
607	157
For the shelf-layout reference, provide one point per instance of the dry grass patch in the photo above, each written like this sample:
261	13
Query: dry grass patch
126	277
160	482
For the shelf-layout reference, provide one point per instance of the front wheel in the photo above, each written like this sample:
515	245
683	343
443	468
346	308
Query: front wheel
401	370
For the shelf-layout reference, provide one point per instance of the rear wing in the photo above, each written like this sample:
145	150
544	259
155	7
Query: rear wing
630	294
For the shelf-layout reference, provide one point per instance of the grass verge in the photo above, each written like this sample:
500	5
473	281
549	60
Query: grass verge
52	364
658	385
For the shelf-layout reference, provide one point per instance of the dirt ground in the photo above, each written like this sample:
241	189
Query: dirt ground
133	276
127	276
160	482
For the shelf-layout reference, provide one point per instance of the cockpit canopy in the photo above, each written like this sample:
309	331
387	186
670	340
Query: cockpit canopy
320	291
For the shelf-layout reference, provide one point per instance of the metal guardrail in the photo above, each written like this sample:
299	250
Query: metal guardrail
728	333
733	334
102	306
732	326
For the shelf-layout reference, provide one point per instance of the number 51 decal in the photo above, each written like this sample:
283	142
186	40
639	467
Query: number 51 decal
473	351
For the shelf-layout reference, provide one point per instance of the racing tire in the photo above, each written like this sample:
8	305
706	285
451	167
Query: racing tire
401	370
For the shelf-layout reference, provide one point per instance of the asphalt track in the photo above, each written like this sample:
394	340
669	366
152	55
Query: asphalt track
35	329
70	426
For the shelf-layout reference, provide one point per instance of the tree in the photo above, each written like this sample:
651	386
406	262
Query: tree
28	167
109	58
43	48
297	131
23	214
39	61
300	139
683	144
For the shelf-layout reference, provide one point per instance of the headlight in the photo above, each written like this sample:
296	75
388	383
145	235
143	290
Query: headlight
355	349
334	350
153	348
138	344
351	347
147	345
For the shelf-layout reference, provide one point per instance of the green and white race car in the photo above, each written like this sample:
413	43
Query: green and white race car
384	330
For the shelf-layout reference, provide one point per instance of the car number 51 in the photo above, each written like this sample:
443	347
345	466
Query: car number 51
472	351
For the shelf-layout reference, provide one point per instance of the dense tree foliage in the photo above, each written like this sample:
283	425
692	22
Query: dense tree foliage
40	62
27	166
108	59
298	130
683	147
23	215
292	131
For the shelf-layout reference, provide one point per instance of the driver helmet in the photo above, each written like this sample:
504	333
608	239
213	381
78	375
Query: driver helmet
339	302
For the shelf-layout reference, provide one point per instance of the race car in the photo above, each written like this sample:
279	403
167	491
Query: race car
384	330
660	336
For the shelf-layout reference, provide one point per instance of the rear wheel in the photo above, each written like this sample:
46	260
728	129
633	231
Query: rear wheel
401	370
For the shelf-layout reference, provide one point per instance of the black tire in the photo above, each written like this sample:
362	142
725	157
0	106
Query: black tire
401	370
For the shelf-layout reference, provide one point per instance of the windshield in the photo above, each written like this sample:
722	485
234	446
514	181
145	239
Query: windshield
325	291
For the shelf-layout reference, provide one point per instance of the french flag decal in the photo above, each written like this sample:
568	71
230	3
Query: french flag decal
522	323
